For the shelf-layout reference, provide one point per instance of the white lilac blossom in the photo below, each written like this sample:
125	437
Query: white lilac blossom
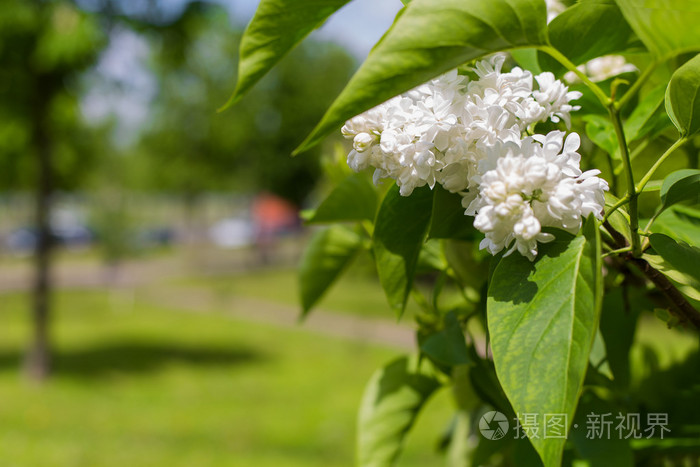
470	137
536	183
602	68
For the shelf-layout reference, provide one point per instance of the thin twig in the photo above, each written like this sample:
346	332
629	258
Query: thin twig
620	240
681	308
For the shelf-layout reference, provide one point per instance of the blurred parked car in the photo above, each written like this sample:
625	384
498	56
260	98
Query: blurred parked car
235	232
24	239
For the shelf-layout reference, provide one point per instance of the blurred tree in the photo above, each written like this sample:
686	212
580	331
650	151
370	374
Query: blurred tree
43	45
186	148
191	149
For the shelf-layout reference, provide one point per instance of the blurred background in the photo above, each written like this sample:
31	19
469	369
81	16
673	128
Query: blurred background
149	245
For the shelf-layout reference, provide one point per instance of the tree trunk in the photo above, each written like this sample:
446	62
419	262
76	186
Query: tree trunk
38	358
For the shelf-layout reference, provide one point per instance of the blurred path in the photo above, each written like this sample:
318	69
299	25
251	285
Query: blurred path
91	274
149	280
382	332
335	324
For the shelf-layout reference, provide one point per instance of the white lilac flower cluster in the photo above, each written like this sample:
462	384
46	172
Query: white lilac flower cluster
470	137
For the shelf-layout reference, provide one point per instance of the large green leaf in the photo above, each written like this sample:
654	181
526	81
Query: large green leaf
431	37
684	258
681	186
666	27
329	252
392	399
400	230
683	97
584	31
278	26
353	199
542	318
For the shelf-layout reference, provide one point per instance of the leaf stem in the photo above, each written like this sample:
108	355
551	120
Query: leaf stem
651	221
631	189
618	251
621	202
645	179
561	58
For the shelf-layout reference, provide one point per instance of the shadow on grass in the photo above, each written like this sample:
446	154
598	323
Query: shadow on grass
135	357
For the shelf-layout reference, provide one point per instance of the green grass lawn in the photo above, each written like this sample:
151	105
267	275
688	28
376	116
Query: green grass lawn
140	384
354	293
157	387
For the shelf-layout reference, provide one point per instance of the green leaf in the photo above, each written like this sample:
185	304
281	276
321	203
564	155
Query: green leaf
392	399
353	199
683	282
329	252
400	230
527	59
486	385
666	27
600	130
449	220
683	97
680	223
465	396
278	26
598	357
684	258
542	318
447	346
681	186
431	257
584	31
648	116
619	220
431	37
